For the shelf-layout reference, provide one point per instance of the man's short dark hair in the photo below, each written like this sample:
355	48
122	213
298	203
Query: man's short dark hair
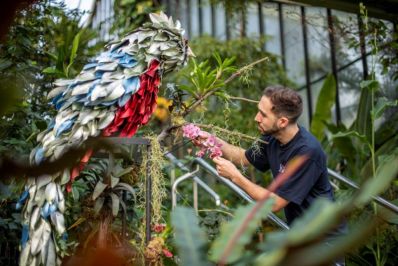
286	102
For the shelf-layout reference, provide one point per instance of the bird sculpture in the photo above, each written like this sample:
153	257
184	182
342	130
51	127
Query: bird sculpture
113	95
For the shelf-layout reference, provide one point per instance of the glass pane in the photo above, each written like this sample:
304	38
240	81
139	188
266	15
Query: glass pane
182	15
252	23
206	17
271	28
318	42
220	22
303	119
194	18
346	27
349	92
294	44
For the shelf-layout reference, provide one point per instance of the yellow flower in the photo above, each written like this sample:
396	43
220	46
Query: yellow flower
162	110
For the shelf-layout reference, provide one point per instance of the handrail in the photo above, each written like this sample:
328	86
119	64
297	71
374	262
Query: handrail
377	199
275	219
195	178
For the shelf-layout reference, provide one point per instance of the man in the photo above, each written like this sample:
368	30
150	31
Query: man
278	111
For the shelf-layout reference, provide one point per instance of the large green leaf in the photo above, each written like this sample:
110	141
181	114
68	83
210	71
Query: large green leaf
189	237
317	221
115	204
73	54
385	173
228	231
319	253
355	134
363	119
387	148
323	108
382	104
98	205
99	188
126	187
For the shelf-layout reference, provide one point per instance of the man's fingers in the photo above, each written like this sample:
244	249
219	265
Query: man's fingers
217	159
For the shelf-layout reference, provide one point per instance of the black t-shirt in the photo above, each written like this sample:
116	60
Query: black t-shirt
308	183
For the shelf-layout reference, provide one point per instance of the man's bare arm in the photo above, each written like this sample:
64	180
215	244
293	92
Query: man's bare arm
226	169
233	153
257	192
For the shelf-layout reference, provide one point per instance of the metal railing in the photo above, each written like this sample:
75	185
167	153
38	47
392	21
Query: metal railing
379	200
199	162
196	181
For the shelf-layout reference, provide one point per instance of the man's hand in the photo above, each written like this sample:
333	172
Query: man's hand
226	168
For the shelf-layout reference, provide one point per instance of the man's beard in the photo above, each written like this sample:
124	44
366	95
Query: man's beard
272	131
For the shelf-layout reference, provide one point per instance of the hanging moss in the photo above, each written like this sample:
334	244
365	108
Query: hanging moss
152	165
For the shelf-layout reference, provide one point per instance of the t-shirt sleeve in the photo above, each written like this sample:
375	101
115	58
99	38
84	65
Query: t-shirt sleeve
297	187
257	156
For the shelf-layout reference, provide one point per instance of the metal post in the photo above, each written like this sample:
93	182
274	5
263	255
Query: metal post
213	20
261	23
168	7
188	16
282	35
227	31
148	199
124	216
200	15
243	22
306	62
334	64
195	196
177	9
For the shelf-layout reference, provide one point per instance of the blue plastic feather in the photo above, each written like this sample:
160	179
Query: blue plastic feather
39	155
131	85
25	235
65	126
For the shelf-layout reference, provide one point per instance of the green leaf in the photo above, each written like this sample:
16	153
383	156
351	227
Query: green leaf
323	108
318	220
98	205
4	64
382	104
188	89
385	173
127	187
99	188
123	172
351	133
363	119
369	84
318	253
114	181
390	216
75	193
115	204
229	229
387	148
272	257
73	53
52	71
222	95
189	237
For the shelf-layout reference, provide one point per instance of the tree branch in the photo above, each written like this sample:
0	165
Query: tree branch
165	132
211	92
243	99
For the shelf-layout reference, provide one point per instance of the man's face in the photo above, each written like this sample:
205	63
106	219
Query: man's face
267	121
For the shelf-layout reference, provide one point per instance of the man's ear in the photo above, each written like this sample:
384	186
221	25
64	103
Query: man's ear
283	122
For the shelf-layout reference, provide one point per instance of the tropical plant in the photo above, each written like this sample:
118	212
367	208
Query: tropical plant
304	243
